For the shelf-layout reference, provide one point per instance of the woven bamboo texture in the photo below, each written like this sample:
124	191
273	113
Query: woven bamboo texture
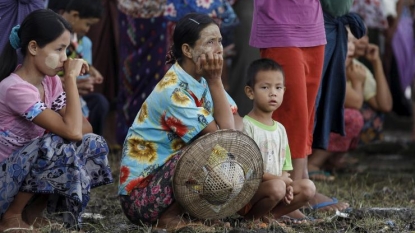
218	174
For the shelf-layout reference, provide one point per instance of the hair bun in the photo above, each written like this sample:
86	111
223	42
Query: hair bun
14	37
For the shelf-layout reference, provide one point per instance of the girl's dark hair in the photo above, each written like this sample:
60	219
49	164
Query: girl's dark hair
187	31
42	26
263	64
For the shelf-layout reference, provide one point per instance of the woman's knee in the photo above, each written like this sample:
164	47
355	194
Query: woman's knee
307	189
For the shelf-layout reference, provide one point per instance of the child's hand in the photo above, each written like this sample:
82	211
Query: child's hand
75	67
210	65
372	53
286	178
356	73
85	86
96	75
289	195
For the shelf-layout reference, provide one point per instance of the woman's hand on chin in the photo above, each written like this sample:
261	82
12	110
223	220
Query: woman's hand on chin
210	66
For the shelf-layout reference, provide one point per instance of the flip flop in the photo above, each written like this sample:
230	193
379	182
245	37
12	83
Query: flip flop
323	176
324	204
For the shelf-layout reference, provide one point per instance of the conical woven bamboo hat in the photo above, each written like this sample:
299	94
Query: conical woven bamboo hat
218	174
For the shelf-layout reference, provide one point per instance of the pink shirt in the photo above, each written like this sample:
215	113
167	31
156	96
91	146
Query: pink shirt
20	103
287	23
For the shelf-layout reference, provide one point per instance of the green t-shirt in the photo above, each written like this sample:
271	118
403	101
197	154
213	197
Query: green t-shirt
336	7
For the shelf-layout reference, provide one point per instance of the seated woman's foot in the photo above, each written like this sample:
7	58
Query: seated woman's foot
321	202
14	224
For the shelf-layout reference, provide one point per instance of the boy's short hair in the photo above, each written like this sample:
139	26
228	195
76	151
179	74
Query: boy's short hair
86	8
263	64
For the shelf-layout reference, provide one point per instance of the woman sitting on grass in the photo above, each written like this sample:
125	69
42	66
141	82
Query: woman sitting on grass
47	150
188	102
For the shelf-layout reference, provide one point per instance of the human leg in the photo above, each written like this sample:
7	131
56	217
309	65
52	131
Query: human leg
33	212
98	107
316	161
304	191
340	144
293	112
268	195
12	218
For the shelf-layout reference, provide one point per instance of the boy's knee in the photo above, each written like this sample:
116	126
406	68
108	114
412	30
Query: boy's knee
277	190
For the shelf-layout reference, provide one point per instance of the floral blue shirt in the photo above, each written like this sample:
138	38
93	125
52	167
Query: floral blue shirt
177	110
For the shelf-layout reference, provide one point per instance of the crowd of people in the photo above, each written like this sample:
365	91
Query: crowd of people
308	80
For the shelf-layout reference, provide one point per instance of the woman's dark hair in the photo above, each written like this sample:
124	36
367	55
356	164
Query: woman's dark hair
263	64
42	26
187	31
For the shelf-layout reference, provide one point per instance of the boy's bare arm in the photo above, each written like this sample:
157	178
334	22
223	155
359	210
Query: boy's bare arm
284	177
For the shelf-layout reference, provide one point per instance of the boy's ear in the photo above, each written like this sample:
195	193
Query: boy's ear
249	92
32	47
186	50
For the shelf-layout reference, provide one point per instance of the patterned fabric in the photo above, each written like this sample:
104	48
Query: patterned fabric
176	9
35	110
353	120
273	143
373	12
52	165
142	8
372	130
59	103
145	204
142	58
178	109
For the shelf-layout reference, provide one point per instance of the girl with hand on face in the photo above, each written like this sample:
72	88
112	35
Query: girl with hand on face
188	102
47	150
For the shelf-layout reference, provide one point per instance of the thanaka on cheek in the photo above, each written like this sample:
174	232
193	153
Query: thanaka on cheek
52	61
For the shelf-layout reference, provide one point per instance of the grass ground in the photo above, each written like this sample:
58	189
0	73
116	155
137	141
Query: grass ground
382	196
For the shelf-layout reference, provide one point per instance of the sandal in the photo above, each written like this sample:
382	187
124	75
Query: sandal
320	175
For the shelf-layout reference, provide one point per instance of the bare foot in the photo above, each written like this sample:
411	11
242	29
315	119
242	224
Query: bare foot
293	218
14	224
321	202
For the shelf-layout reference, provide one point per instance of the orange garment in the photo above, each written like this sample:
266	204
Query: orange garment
302	68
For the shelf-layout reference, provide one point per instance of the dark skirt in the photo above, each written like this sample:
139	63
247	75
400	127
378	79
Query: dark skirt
51	165
143	48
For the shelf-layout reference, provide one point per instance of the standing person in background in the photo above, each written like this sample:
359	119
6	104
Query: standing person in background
105	44
292	34
12	12
244	55
332	91
143	36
